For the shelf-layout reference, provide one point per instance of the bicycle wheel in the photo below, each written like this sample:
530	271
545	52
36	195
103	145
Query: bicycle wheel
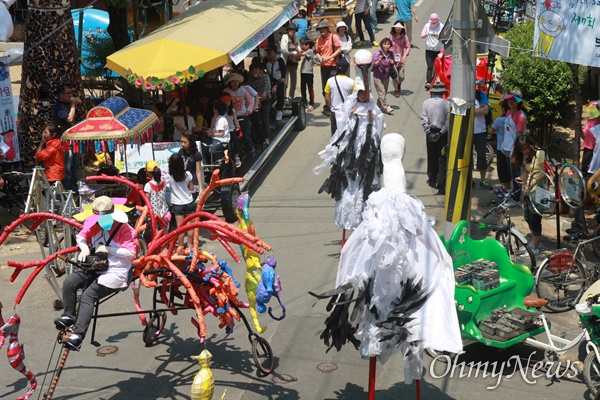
154	327
542	194
518	252
562	287
263	355
572	186
591	372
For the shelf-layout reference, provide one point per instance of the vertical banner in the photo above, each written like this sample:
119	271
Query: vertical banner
9	141
568	31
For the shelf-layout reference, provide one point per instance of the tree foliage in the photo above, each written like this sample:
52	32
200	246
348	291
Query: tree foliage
546	85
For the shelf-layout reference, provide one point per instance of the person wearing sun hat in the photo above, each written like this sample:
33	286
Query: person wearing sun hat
431	33
401	50
105	234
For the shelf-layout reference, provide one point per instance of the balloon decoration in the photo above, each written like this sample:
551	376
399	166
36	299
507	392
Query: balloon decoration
192	276
269	284
15	350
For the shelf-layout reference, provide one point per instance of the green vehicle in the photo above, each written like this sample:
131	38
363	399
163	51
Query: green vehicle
503	313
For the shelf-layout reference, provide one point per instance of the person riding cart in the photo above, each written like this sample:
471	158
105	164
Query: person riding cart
108	244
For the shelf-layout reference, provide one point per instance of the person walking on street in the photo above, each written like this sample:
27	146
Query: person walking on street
362	14
401	50
328	49
433	45
373	13
383	60
337	89
291	54
406	12
434	119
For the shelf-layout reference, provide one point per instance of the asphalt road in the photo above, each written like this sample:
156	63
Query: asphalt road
298	223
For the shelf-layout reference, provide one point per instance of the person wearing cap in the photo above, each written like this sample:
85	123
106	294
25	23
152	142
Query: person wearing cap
328	49
107	235
337	89
243	104
434	119
276	70
362	14
291	54
431	33
401	50
406	12
341	30
301	24
51	154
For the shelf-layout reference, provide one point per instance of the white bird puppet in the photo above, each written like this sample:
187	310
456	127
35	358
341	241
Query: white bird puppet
396	271
353	151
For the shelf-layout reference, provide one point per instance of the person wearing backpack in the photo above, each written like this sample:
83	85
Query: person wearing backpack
337	89
482	108
345	41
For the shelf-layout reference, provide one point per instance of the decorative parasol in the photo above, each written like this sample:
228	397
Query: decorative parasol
112	121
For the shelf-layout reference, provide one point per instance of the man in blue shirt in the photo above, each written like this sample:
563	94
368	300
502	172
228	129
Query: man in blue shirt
406	12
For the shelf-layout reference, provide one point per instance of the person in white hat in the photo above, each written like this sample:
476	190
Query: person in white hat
362	11
401	50
107	235
433	45
345	41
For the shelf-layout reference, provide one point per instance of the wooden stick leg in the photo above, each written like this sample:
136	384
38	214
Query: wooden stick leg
372	369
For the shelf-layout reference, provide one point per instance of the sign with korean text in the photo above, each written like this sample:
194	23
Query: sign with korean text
568	30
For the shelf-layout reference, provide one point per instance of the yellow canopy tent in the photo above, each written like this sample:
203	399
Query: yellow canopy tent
201	39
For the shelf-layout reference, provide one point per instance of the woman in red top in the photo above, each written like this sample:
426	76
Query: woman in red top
51	154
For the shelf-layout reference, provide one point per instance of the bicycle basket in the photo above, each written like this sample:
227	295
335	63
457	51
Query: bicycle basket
561	261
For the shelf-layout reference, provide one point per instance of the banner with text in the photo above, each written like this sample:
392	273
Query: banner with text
9	141
568	31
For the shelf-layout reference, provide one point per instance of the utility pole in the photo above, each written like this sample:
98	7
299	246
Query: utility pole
462	99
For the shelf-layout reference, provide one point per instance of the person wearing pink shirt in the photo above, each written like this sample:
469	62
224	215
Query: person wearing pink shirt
401	50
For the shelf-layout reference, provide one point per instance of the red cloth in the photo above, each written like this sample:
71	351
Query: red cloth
54	160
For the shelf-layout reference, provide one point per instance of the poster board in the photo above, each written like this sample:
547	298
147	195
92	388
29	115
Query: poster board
138	156
568	31
8	127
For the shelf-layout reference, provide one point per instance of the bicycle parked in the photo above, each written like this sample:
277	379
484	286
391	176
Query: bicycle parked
509	235
564	275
